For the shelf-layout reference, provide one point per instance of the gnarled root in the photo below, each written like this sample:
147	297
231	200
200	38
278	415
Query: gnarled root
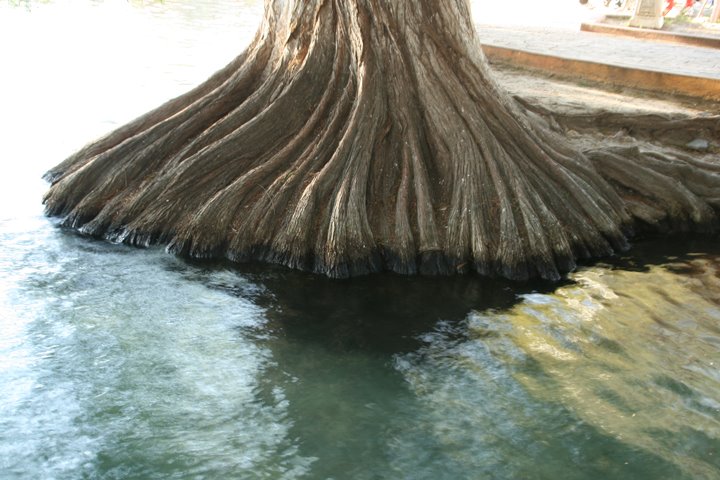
664	193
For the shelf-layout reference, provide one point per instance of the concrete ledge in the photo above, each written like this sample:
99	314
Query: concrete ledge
659	82
657	35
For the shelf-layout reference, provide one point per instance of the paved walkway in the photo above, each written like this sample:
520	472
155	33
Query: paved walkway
607	49
619	62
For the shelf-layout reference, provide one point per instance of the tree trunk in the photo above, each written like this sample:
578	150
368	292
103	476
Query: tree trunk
357	136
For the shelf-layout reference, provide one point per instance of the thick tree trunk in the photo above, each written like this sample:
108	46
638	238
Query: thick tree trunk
361	135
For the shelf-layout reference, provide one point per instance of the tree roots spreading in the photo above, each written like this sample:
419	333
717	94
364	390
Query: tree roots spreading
357	136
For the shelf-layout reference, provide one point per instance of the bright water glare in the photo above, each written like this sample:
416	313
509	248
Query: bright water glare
118	363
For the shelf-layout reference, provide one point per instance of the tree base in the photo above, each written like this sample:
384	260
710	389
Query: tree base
354	138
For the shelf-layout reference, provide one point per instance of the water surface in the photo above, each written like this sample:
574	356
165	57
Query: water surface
119	363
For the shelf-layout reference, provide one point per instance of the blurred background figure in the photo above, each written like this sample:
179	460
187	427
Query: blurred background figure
671	5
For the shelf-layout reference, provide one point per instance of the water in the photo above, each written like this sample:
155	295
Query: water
124	363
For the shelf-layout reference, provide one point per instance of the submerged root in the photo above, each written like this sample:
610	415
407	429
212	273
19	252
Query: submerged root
355	139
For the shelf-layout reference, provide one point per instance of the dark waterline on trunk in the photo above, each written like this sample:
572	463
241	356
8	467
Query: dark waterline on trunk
125	363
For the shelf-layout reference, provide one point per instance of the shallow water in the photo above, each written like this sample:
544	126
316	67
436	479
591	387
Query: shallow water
125	363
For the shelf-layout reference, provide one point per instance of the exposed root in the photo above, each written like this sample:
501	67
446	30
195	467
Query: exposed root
673	129
358	136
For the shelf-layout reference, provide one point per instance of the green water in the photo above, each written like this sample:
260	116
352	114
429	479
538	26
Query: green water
118	363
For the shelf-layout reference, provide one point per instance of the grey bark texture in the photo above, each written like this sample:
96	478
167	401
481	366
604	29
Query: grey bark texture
355	136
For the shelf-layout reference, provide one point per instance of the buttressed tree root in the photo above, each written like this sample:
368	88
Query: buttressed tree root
355	136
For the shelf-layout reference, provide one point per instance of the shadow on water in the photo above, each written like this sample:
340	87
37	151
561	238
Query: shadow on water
382	314
379	314
675	249
386	374
335	344
387	313
607	375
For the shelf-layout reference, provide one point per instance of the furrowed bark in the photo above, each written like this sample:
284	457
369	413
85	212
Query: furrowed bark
358	136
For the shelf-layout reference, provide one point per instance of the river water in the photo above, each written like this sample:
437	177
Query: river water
120	363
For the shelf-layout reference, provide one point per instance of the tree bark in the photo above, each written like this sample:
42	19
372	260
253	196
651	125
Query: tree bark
357	136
